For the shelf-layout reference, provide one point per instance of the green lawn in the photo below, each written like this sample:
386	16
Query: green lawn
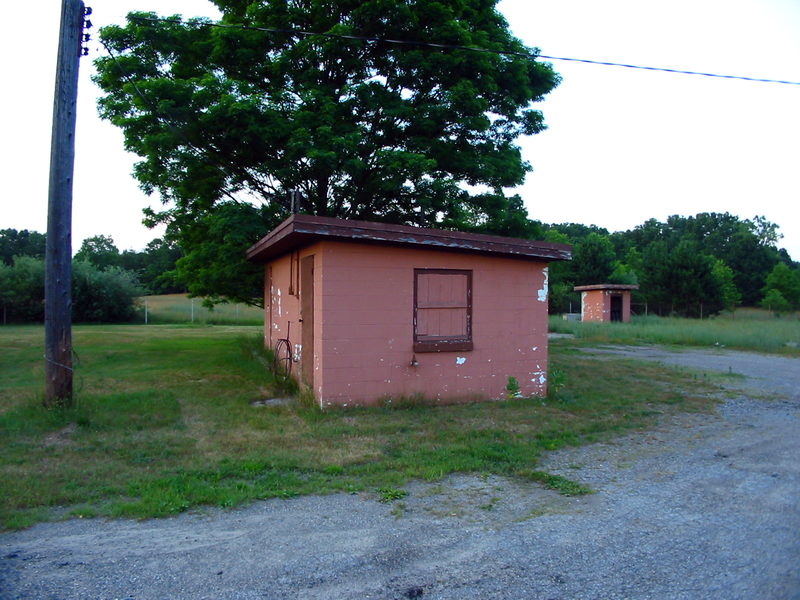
163	422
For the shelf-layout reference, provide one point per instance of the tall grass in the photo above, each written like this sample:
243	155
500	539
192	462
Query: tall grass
179	308
744	330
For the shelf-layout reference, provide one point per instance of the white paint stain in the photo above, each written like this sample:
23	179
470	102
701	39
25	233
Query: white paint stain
542	293
538	376
583	306
460	360
280	312
535	348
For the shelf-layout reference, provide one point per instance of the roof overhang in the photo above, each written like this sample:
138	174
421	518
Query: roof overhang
605	286
302	230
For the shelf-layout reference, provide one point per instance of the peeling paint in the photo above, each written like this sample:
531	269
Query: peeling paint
298	352
460	360
535	348
542	293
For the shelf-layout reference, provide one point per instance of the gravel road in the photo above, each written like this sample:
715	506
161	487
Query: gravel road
702	507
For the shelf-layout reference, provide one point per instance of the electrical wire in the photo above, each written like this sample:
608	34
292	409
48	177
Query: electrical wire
300	32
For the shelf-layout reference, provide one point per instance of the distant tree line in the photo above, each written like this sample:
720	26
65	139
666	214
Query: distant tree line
687	266
105	281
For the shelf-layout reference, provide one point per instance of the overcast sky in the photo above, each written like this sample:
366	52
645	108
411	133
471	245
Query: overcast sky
622	146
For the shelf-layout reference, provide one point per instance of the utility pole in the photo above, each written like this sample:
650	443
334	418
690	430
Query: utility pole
58	257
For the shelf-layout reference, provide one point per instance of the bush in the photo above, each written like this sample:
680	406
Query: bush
97	296
22	290
103	296
774	301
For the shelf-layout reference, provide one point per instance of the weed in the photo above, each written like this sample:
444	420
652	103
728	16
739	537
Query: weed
399	509
490	505
390	494
512	388
409	402
562	485
556	379
534	513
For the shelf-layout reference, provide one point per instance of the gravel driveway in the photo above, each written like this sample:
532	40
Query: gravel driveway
703	507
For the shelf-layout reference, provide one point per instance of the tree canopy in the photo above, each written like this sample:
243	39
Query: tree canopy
363	128
20	243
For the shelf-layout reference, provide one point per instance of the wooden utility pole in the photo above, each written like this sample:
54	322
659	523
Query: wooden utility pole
58	257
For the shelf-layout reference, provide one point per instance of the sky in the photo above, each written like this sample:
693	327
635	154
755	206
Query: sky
622	145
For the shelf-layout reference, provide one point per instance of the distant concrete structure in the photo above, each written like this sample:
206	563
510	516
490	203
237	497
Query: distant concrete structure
606	302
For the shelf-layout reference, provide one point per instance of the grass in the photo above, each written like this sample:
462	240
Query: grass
179	308
163	423
744	330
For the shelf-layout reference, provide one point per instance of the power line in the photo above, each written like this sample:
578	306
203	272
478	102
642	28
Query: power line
300	32
668	70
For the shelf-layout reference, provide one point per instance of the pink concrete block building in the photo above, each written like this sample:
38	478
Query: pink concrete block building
375	311
606	302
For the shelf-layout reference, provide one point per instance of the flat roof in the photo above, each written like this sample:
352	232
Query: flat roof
301	230
605	286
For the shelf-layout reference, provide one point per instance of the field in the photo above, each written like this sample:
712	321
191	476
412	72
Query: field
179	308
163	423
746	329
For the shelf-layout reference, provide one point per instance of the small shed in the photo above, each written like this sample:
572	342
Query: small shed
606	302
375	311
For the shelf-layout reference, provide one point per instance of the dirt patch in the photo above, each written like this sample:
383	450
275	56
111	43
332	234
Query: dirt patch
60	438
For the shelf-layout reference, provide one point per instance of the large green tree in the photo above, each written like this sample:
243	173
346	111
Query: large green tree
363	128
100	251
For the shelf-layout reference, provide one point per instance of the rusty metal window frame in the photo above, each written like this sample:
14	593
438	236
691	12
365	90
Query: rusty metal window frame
459	343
